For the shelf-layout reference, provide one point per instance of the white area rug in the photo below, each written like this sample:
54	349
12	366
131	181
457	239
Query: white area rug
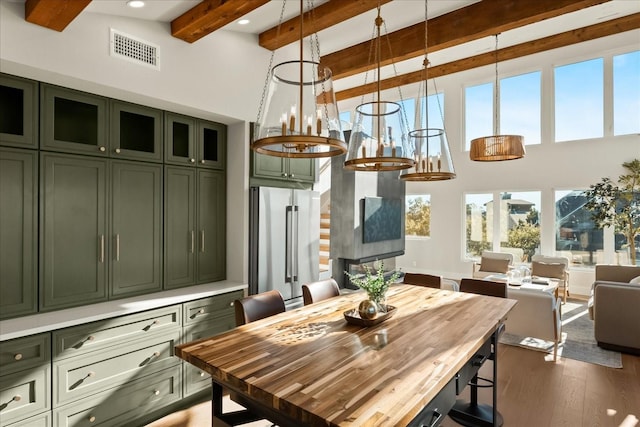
578	342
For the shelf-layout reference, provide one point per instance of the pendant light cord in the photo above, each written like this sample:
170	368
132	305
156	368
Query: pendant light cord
496	120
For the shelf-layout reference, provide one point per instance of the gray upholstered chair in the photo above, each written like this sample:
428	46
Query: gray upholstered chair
320	290
492	263
554	268
258	306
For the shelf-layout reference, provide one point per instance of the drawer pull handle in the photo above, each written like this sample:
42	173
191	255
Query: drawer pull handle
201	311
18	356
202	374
156	392
92	418
155	322
91	374
156	354
117	151
91	338
17	398
435	419
203	161
192	160
231	304
102	149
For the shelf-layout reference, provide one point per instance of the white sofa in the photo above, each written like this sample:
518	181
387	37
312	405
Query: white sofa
536	315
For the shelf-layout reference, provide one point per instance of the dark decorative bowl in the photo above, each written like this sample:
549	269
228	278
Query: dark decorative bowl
353	317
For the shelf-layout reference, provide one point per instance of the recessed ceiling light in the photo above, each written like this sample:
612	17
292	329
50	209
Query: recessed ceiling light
135	3
243	22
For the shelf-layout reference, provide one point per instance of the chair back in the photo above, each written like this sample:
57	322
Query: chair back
320	290
484	287
258	306
427	280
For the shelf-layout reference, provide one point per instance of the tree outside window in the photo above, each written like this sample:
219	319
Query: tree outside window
418	216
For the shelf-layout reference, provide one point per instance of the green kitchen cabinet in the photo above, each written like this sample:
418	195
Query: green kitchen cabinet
136	228
135	131
179	227
195	226
19	231
211	226
73	230
18	112
196	142
73	121
283	169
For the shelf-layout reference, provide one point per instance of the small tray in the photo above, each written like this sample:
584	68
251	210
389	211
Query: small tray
353	317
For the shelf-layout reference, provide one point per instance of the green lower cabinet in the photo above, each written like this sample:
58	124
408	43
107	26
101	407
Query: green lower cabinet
19	231
74	244
24	394
40	420
120	406
136	231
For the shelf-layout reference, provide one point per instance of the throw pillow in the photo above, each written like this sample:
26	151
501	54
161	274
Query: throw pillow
494	265
545	269
635	280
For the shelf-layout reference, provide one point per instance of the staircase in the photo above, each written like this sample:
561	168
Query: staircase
325	233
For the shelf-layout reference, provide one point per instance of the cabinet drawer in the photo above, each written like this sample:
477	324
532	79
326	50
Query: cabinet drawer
472	366
24	353
24	394
104	334
195	379
208	308
434	413
41	420
119	406
77	377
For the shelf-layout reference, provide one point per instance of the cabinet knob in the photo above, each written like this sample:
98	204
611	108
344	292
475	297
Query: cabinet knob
18	356
203	161
91	338
231	304
156	392
17	398
155	322
92	418
201	311
202	374
192	160
117	151
156	354
292	176
284	175
91	374
102	148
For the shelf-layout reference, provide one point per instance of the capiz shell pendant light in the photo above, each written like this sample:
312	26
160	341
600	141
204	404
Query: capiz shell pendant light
431	148
300	117
496	147
378	139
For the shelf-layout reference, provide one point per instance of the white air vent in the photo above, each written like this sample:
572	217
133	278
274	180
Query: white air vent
135	50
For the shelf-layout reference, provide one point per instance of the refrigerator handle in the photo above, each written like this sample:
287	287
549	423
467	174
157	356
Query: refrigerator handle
287	245
294	244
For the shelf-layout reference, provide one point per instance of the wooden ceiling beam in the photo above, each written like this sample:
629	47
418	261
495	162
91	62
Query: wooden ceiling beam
604	29
322	17
53	14
210	15
486	18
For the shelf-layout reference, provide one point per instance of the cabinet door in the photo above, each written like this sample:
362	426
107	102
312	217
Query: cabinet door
18	228
18	112
301	170
268	166
179	137
211	141
74	243
73	121
136	232
136	132
211	226
179	226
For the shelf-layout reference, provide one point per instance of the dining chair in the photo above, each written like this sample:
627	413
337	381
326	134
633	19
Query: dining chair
320	290
555	268
419	279
484	287
258	306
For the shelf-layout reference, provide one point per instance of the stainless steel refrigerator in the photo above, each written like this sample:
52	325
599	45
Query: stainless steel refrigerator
284	235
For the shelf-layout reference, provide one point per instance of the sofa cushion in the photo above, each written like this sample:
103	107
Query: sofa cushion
494	265
544	269
635	280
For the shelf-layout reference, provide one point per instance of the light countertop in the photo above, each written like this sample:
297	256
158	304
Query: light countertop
45	322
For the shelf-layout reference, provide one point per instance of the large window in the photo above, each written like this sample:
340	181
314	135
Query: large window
418	216
436	111
577	238
579	100
514	225
519	107
626	93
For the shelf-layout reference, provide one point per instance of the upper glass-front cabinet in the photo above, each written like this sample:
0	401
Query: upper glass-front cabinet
73	121
136	132
18	112
190	141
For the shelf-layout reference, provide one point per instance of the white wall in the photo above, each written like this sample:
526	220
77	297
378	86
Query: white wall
221	78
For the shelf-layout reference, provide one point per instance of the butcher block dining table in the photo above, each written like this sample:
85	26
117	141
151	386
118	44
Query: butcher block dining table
310	367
